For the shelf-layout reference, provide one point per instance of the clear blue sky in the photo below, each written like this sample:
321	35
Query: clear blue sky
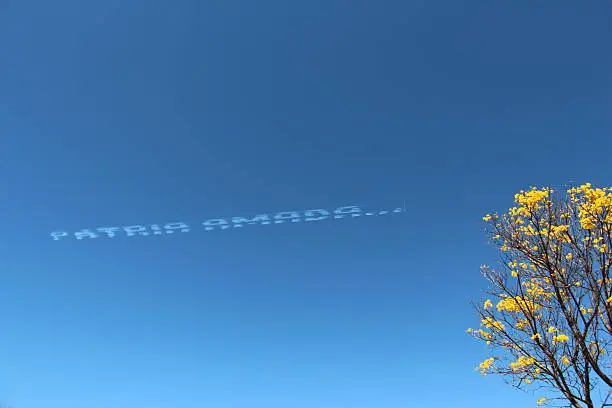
122	112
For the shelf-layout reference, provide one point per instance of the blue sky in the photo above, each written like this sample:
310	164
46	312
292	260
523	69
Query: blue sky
123	112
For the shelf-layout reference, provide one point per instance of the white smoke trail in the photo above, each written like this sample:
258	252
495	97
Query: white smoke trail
349	211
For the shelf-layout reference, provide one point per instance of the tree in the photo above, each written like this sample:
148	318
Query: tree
551	325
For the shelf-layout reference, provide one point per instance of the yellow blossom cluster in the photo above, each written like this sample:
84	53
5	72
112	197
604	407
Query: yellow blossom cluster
532	200
521	324
489	323
485	365
560	232
518	305
595	204
601	248
528	230
520	267
483	334
560	338
534	288
522	363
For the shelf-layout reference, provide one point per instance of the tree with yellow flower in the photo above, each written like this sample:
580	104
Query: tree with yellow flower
549	315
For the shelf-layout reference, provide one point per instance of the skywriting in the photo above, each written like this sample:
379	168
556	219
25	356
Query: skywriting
282	217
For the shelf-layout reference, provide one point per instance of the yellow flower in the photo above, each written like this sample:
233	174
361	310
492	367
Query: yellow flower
587	223
565	360
483	334
517	305
568	256
552	329
522	362
541	401
488	304
521	324
531	200
514	274
536	336
560	338
577	283
485	365
489	322
487	217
